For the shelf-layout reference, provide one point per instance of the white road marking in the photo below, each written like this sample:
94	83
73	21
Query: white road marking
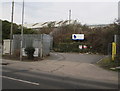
20	80
101	59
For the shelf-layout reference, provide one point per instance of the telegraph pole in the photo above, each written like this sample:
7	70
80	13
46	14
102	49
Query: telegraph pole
119	12
69	16
22	32
11	31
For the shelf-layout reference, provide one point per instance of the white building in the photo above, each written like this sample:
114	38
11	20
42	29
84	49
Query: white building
44	24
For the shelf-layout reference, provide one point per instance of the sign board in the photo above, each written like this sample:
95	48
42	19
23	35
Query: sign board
77	36
90	46
113	50
36	53
23	52
80	46
85	47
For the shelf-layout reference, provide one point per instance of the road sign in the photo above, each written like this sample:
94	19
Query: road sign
80	46
113	50
85	47
77	36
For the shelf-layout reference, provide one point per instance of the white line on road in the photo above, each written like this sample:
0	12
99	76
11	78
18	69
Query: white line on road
20	80
101	59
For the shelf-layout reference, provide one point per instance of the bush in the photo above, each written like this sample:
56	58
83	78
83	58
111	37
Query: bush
108	63
70	47
117	58
30	51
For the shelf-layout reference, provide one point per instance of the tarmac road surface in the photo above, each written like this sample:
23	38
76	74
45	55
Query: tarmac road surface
59	71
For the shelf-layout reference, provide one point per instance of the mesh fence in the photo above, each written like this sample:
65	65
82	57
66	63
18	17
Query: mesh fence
118	45
39	41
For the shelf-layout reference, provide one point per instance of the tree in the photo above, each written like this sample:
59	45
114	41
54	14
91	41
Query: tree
6	26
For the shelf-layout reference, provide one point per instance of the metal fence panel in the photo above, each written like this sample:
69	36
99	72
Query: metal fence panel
43	41
46	44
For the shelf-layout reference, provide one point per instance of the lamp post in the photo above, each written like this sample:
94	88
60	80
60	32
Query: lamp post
11	30
22	31
69	16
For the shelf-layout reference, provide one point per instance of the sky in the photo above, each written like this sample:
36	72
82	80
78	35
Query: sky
39	11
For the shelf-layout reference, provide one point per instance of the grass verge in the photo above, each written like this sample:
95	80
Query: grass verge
109	64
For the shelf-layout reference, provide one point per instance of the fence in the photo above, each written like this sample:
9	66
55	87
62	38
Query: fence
41	42
117	40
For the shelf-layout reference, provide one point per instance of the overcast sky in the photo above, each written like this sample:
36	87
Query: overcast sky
85	12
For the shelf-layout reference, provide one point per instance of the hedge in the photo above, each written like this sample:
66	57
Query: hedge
70	47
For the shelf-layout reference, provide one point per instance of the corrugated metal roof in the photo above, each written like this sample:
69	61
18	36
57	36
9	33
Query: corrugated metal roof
40	25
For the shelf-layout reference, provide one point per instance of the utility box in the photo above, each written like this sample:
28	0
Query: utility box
1	49
6	48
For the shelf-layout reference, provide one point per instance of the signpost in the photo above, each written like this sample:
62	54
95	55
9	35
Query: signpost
113	50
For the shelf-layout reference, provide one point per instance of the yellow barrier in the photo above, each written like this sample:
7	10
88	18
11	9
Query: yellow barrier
113	50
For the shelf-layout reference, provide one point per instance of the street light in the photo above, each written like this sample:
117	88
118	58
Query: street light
69	16
22	31
11	31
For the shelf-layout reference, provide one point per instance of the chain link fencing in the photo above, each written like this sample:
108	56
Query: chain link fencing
41	42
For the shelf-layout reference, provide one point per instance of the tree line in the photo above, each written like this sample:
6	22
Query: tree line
6	26
99	37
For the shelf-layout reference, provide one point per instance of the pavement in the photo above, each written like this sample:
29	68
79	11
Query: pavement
70	65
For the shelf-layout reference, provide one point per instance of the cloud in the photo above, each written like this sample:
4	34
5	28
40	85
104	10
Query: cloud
62	0
85	12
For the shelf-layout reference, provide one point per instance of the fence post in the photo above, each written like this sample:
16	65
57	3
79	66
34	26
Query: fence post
41	49
109	49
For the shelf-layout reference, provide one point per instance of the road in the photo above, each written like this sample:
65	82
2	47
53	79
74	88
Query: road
47	81
20	78
76	57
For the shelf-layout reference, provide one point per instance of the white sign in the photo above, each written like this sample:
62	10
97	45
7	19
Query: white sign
77	36
36	52
23	52
80	46
84	46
